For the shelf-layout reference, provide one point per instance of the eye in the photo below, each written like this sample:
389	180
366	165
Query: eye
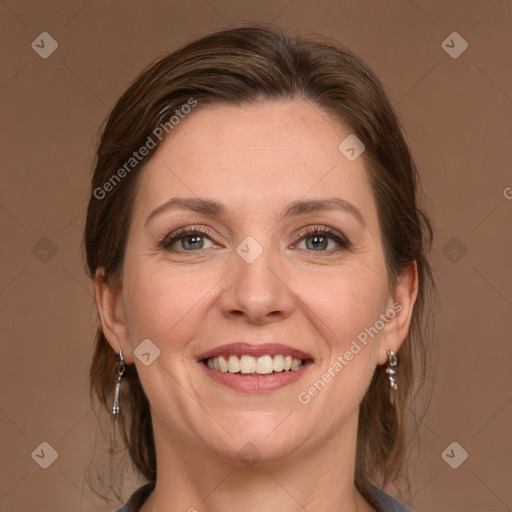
320	236
193	239
190	239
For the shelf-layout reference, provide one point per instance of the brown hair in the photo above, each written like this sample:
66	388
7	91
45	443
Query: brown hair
255	63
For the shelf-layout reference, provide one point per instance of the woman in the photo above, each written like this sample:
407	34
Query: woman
261	275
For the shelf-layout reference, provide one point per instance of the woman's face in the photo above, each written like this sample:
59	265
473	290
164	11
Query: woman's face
251	274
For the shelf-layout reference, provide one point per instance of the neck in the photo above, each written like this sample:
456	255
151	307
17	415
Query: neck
321	477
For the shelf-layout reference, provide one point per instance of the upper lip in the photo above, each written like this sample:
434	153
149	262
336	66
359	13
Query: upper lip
244	348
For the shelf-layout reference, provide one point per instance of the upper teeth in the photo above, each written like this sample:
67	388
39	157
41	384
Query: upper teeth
248	364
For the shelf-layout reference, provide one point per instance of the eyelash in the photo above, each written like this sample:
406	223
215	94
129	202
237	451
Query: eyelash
181	233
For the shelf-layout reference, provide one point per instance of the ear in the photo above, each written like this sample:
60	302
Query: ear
403	297
109	299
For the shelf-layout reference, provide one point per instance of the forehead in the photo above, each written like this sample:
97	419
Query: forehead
257	156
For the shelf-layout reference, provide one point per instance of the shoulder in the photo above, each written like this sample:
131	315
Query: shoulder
382	501
138	497
379	499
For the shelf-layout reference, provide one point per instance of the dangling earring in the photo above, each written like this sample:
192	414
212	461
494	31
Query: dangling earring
120	371
391	371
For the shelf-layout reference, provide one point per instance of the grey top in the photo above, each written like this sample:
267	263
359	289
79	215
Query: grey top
380	500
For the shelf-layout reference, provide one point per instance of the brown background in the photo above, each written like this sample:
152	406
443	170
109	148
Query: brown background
457	115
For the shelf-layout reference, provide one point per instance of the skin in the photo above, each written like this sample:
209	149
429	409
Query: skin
255	160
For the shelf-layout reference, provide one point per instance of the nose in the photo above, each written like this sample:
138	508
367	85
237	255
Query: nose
257	291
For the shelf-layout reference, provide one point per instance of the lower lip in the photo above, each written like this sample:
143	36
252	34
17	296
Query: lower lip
258	383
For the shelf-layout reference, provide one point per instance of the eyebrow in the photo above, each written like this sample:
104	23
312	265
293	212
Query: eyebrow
298	207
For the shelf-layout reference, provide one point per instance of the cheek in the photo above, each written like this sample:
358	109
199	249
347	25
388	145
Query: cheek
345	307
163	304
169	305
345	301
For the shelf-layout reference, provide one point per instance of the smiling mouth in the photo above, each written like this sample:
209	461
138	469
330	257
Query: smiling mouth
249	366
